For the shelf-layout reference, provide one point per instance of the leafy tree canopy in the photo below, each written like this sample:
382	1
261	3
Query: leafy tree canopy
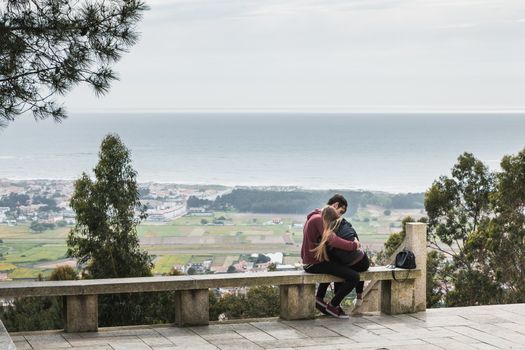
457	206
300	202
104	239
108	211
504	237
49	46
14	200
260	301
477	219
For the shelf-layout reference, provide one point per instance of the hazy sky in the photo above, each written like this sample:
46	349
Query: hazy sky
322	55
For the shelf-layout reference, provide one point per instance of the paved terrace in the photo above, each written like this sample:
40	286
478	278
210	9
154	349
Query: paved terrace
479	327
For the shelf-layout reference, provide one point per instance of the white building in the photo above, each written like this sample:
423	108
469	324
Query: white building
275	257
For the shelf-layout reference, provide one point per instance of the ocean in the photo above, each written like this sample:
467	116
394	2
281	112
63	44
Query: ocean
383	152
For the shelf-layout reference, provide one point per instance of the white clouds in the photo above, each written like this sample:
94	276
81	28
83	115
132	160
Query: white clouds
458	26
300	54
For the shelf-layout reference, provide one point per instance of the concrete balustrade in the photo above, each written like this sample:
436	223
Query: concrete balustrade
297	301
297	290
80	313
377	292
416	241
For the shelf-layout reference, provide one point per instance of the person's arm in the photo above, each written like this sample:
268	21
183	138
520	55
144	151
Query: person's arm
346	231
338	242
317	229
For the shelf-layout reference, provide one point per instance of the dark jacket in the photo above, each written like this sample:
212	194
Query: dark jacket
346	232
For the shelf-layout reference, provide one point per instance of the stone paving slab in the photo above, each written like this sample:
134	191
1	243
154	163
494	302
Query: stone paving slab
469	328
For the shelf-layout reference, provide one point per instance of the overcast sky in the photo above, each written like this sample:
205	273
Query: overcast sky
313	55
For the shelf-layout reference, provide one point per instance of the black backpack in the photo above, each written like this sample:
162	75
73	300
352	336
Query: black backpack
404	260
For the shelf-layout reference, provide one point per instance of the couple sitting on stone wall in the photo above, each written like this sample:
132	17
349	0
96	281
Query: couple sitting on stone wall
331	246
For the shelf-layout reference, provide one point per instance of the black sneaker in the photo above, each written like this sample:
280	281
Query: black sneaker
336	311
321	305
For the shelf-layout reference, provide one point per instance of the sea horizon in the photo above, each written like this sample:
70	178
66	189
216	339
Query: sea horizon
385	152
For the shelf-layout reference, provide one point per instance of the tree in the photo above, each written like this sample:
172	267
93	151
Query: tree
261	259
456	206
460	210
501	243
195	202
61	223
262	301
104	239
393	242
14	200
63	273
37	313
435	263
48	46
41	227
174	272
232	306
144	191
49	203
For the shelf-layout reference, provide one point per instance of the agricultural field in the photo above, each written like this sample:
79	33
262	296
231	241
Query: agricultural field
221	237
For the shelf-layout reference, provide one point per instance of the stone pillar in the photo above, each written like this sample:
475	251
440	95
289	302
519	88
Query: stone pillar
192	307
397	297
416	241
297	301
80	313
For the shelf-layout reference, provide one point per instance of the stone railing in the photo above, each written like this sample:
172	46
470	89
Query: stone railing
297	290
416	241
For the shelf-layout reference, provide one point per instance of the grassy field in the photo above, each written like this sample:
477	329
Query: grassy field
164	263
38	253
190	239
6	267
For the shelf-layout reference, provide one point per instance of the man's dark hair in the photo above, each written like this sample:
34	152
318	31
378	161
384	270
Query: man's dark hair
338	198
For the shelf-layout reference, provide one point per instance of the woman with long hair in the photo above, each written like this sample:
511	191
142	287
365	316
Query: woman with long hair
331	222
357	259
318	237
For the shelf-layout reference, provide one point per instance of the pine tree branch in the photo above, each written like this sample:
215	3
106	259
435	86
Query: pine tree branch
27	74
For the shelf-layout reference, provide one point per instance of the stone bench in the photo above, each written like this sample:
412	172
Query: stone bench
297	290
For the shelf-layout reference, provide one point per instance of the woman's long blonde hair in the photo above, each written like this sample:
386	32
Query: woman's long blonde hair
331	223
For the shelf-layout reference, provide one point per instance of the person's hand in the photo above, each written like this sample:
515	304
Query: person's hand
358	244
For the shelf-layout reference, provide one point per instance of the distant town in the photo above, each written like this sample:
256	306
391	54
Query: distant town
36	217
46	202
